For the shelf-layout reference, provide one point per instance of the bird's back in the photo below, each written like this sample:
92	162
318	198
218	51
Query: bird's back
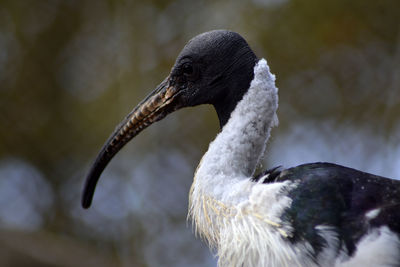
350	204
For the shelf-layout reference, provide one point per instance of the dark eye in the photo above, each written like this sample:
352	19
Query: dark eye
187	69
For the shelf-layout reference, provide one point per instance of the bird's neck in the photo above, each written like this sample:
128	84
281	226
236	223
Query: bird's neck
233	90
222	180
227	105
237	149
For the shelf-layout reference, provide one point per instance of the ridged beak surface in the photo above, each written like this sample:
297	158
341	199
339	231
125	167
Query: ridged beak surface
161	102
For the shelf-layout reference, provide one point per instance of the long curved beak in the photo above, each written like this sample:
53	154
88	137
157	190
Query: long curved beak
162	101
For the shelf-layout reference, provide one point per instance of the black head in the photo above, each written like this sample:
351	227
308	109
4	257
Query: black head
213	68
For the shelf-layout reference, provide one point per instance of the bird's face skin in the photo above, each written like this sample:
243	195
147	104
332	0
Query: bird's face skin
213	68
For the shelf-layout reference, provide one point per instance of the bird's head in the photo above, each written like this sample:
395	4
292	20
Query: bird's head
213	68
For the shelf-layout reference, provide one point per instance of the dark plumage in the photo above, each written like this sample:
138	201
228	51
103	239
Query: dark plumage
330	194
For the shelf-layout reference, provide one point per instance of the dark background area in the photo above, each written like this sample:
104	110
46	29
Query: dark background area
71	70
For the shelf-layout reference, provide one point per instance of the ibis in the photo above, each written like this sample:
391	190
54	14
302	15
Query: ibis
317	214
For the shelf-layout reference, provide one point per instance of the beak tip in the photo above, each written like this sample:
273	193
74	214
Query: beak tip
85	204
92	178
86	200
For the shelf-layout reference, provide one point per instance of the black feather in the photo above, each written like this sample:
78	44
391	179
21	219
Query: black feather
337	196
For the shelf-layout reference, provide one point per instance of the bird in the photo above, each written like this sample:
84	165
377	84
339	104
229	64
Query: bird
315	214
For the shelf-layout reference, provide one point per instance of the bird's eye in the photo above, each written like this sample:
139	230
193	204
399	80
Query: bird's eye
187	69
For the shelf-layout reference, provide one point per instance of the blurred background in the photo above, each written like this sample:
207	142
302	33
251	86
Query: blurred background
71	70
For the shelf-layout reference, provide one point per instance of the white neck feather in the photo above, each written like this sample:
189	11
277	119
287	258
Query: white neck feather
237	149
224	203
239	146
